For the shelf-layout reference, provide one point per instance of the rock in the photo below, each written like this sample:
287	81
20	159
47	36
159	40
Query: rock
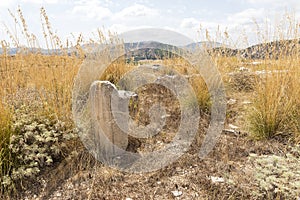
246	102
233	126
110	114
176	193
58	194
244	69
256	63
231	131
270	72
231	101
217	179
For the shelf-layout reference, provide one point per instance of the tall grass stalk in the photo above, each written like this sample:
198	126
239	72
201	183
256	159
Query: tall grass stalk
277	96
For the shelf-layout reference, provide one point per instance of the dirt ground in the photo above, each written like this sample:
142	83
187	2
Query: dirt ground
226	173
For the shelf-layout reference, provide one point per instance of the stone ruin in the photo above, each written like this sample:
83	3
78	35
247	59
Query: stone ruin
110	116
111	125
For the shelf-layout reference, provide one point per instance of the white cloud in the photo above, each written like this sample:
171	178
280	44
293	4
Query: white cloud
276	4
272	2
121	28
118	28
196	29
186	17
91	10
263	1
41	1
190	23
247	16
195	25
7	4
136	10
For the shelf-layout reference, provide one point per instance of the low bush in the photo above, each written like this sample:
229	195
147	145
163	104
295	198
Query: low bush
36	138
277	177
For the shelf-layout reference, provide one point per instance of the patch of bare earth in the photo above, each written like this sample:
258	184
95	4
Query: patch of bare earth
81	177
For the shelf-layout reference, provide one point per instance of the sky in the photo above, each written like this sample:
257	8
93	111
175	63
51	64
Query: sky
237	23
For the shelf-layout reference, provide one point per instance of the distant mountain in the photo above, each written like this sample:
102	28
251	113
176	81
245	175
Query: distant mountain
272	50
150	50
23	50
11	51
128	47
155	50
204	44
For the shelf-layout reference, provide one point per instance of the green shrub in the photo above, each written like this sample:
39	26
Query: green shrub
37	139
277	177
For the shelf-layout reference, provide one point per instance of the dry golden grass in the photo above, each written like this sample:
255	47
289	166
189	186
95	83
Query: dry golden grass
276	101
5	133
116	70
276	97
51	75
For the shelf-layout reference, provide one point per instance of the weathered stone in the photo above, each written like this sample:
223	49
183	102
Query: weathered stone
110	115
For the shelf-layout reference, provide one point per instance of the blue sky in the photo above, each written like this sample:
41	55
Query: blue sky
190	17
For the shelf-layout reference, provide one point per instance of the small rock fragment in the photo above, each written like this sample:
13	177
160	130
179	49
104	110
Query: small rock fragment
231	101
246	102
231	132
244	69
217	179
176	193
233	126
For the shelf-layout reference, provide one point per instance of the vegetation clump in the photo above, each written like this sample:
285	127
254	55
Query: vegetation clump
277	177
37	139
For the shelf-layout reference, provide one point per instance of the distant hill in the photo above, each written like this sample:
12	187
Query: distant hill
155	50
272	50
23	50
204	44
150	50
11	51
128	46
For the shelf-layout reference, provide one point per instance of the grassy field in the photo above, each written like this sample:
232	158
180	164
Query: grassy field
38	137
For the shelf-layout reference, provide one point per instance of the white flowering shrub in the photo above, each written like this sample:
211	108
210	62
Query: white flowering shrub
277	176
38	140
